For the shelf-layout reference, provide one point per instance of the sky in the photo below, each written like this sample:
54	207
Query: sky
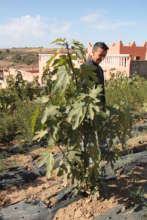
35	23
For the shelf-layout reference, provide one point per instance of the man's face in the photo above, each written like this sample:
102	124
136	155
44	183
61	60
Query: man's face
99	55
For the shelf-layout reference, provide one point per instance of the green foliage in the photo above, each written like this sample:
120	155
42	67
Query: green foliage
67	111
21	124
48	160
2	165
123	91
138	196
25	58
26	117
19	112
73	118
7	127
4	54
129	96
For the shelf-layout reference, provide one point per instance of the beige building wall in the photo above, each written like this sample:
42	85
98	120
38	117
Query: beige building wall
43	58
28	76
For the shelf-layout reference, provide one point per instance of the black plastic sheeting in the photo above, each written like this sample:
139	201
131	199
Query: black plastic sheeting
36	210
16	177
119	213
23	210
125	163
63	198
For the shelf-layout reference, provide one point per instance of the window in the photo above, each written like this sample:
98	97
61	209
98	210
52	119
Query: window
137	58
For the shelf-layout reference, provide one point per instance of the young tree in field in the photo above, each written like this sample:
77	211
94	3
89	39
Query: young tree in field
74	119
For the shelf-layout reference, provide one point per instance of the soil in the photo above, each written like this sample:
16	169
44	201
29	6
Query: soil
118	191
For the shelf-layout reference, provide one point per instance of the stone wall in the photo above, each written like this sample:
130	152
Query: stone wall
139	68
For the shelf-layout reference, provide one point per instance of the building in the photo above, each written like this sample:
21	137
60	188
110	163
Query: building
135	52
27	74
43	58
126	59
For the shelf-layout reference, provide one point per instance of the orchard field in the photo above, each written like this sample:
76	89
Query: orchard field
61	155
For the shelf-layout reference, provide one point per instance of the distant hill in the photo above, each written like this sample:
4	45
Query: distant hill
20	57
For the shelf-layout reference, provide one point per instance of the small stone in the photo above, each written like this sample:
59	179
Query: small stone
44	187
123	209
89	215
118	211
35	202
78	213
141	142
89	200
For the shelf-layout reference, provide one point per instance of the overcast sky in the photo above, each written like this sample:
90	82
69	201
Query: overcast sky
38	22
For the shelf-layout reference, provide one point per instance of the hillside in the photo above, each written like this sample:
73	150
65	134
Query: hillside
20	57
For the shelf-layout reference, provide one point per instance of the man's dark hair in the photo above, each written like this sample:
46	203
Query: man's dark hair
100	45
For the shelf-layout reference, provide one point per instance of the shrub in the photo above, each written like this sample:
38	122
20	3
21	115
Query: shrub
25	58
7	127
127	91
18	110
26	117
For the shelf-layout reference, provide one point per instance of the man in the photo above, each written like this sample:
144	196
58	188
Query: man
95	56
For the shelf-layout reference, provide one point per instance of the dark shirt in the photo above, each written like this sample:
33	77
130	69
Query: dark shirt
100	74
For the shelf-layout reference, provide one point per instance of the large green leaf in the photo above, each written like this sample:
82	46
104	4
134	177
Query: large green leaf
91	112
76	114
50	165
43	160
34	119
48	160
62	81
94	92
40	134
50	111
50	61
59	41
